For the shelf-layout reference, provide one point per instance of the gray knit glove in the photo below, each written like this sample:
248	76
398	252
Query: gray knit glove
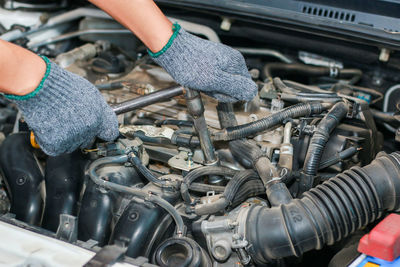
213	68
66	112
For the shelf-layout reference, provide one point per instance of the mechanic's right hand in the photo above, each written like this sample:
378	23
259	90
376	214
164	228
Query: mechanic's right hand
66	112
214	68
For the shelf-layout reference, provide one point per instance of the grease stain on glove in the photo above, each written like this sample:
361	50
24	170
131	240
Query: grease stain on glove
213	68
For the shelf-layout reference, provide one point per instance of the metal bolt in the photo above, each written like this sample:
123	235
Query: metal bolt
133	216
21	180
190	159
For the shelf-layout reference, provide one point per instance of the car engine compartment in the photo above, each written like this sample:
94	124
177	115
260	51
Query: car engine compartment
291	178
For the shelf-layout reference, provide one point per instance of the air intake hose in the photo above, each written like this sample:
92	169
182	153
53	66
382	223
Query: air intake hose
326	213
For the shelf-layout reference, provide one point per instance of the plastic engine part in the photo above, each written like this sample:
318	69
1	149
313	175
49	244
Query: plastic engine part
384	240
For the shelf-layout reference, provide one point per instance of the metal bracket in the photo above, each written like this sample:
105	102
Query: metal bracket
183	161
107	256
67	228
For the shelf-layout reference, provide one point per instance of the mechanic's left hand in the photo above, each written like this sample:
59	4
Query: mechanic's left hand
66	112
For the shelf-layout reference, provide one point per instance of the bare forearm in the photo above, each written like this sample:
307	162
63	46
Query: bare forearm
20	70
142	17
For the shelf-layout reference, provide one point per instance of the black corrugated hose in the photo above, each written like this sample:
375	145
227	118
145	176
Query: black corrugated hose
295	111
251	156
231	189
318	143
321	137
251	188
243	150
200	172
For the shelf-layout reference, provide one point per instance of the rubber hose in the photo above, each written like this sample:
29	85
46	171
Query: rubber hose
179	123
246	152
302	98
180	226
211	208
339	156
388	117
230	191
144	171
321	137
266	170
297	94
278	193
243	150
299	87
200	172
234	185
251	188
271	69
278	83
226	116
326	213
204	188
355	75
185	140
150	139
110	86
251	156
189	131
242	131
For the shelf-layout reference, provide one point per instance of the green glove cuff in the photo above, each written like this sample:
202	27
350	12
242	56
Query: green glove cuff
175	28
36	91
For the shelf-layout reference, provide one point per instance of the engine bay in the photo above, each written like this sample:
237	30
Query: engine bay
292	178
